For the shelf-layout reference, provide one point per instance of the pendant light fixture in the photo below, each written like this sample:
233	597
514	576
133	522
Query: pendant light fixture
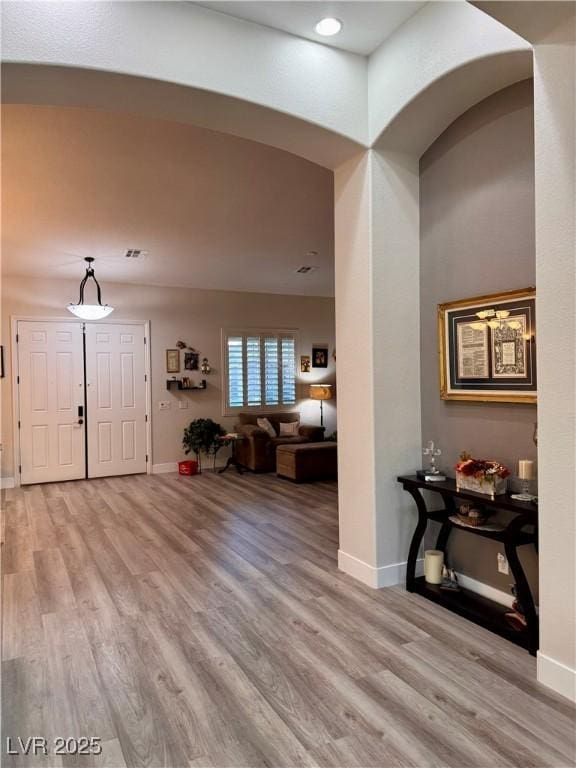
90	311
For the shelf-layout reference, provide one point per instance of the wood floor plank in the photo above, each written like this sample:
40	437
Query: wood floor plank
53	583
202	622
22	619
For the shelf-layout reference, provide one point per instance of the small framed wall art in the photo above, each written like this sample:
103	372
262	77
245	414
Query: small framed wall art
320	356
487	348
191	361
305	363
172	361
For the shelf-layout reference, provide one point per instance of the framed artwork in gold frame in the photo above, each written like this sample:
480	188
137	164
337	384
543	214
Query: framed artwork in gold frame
172	361
487	348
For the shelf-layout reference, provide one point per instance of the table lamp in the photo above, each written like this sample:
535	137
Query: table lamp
321	392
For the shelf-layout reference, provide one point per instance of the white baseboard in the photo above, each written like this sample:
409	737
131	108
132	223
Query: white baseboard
160	469
384	576
557	676
485	590
7	482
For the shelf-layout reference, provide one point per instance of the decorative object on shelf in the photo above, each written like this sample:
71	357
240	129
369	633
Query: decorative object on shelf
320	356
305	363
321	392
471	514
191	361
516	617
90	311
205	366
201	436
462	523
525	475
185	382
433	564
449	580
487	348
172	361
432	452
481	475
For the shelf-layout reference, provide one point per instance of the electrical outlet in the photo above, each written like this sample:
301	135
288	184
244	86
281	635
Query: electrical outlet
183	403
503	564
164	405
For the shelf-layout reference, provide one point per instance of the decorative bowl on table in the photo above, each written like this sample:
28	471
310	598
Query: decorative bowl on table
472	515
481	476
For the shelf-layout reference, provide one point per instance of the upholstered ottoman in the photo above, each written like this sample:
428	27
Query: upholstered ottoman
307	461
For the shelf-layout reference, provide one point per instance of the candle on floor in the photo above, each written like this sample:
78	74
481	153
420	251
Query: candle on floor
525	469
433	564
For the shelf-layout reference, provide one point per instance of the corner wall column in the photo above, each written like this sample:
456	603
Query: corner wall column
378	375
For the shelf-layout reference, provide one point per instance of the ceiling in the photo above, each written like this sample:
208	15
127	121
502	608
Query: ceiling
365	25
214	211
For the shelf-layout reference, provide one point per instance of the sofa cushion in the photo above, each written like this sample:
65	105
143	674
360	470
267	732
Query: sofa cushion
264	424
289	428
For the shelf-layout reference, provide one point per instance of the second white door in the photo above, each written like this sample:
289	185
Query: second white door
116	399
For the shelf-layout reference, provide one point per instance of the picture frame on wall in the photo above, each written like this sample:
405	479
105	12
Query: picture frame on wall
172	361
320	356
305	363
191	361
487	348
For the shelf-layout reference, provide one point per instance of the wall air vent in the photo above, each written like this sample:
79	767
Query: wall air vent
305	270
135	253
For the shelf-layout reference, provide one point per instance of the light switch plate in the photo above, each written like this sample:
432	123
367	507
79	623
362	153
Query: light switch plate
164	405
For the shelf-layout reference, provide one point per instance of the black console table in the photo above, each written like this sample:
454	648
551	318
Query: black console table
476	608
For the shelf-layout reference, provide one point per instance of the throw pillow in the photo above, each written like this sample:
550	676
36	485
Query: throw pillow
289	429
266	426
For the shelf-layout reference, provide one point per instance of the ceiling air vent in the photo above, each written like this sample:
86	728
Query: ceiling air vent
305	270
135	253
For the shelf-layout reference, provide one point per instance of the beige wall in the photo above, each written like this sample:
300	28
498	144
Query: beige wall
477	237
196	317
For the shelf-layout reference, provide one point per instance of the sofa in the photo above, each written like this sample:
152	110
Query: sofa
258	449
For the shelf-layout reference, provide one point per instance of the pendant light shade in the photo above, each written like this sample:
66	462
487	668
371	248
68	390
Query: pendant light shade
90	311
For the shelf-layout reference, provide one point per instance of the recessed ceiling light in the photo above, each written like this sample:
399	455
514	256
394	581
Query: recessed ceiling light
328	26
136	253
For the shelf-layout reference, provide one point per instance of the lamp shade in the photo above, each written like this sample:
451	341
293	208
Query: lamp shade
321	391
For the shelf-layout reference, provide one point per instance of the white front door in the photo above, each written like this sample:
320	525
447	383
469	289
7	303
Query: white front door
51	401
116	399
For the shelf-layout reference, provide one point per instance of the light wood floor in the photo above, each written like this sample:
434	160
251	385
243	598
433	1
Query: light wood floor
203	622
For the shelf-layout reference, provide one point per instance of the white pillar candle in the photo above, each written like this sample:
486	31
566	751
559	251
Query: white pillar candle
525	469
433	564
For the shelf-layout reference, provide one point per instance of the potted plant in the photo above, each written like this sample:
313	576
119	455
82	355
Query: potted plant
201	436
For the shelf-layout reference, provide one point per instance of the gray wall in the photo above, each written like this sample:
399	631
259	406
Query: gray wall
477	237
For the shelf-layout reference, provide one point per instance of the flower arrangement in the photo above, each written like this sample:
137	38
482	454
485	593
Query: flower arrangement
481	475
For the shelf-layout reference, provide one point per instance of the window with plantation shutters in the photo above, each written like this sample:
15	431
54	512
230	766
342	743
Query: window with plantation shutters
260	369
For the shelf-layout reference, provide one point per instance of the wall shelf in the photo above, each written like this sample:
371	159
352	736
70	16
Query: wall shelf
177	384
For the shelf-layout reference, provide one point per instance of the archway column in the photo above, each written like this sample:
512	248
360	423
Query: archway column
377	330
